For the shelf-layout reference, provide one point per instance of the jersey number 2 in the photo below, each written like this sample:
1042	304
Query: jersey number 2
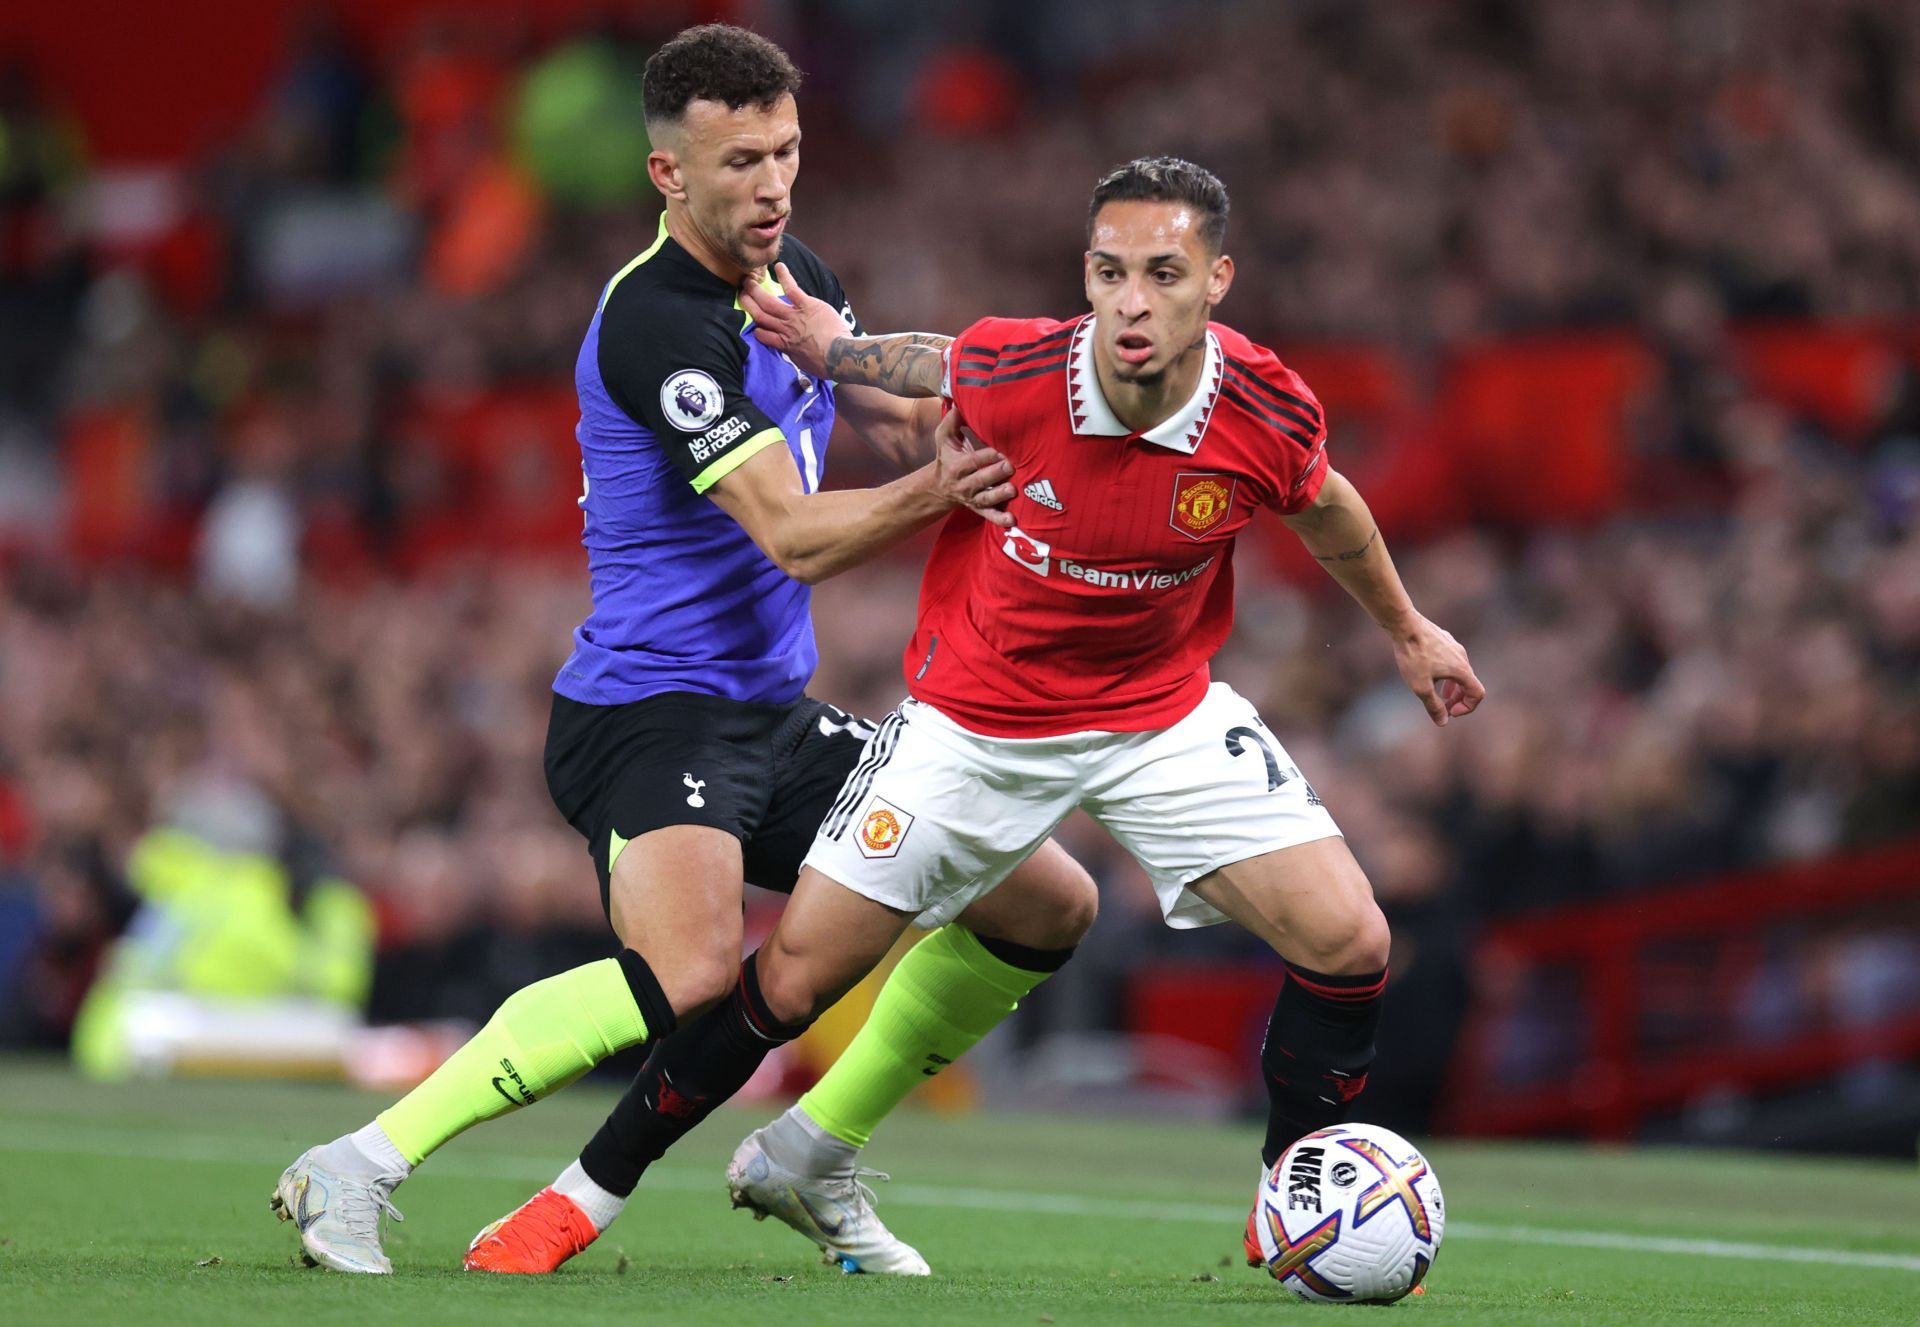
1235	747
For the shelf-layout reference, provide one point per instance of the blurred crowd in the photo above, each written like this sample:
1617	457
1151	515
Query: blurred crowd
1671	697
1407	173
1676	691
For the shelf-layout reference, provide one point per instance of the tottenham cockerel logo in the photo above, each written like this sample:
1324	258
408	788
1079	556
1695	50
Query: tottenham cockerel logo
691	400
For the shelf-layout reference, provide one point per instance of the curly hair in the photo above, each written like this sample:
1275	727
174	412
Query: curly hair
716	62
1166	180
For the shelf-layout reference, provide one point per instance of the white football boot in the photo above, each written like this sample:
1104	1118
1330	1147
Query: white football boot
336	1196
833	1210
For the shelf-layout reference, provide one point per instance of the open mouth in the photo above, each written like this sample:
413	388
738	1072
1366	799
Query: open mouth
765	231
1133	347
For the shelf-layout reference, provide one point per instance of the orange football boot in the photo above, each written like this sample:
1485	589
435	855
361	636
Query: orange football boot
536	1237
1255	1258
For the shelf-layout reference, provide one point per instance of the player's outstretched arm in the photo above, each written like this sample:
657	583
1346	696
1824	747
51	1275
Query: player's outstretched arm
896	429
1340	532
812	536
886	382
810	332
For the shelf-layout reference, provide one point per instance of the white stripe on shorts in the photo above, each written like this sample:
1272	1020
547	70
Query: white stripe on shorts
858	782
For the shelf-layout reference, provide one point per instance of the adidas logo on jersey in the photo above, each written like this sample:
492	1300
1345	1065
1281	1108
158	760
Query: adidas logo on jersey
1041	491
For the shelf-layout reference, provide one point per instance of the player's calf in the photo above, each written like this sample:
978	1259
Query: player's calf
692	1072
1313	905
1318	1051
1320	1040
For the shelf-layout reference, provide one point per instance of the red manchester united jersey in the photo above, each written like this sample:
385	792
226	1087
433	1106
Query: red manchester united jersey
1100	609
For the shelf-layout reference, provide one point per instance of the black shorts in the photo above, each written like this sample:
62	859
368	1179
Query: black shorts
766	774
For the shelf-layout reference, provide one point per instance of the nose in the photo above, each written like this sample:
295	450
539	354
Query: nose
771	183
1133	300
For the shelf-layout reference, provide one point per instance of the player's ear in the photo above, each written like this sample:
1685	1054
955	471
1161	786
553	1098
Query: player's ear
663	168
1086	274
1219	279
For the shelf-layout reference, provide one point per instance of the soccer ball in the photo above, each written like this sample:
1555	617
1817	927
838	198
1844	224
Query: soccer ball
1349	1215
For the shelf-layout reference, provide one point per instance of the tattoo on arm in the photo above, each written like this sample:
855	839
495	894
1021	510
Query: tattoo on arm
908	364
1351	553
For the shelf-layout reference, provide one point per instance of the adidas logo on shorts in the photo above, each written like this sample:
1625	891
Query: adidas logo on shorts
1041	491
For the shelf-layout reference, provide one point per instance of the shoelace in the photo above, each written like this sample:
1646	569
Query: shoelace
518	1234
857	1183
364	1208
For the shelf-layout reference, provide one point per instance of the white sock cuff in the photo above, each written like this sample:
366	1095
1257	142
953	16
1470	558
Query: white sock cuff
815	1130
372	1140
798	1142
601	1206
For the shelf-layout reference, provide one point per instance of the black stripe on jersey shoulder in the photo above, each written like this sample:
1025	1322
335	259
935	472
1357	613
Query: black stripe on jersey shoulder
661	301
665	315
1287	426
1028	356
989	366
1056	365
1058	334
1277	397
655	324
1007	356
1248	385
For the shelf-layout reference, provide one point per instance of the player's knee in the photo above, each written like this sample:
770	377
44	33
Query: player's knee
1360	946
1348	944
695	981
1076	909
1051	903
787	987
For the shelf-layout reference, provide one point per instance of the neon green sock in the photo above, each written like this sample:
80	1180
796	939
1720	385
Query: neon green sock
946	994
540	1039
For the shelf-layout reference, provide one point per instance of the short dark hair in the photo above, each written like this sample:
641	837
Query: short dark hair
1166	180
716	62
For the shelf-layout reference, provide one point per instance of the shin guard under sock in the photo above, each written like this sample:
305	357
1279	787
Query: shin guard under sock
1318	1049
949	991
541	1038
687	1075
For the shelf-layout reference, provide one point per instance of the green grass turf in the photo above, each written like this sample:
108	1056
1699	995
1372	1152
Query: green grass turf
111	1198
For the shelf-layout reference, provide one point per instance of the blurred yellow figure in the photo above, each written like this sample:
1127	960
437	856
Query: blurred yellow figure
230	964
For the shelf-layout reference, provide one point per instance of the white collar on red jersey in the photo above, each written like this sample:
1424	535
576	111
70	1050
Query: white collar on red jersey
1087	404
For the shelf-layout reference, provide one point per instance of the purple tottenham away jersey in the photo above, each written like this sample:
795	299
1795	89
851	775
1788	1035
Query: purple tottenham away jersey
674	394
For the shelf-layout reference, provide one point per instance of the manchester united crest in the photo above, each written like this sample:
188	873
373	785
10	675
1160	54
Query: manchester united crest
884	826
1200	503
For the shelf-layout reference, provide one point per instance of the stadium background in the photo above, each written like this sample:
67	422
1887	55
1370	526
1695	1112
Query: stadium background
1612	307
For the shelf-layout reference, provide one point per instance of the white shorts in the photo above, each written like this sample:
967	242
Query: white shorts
937	815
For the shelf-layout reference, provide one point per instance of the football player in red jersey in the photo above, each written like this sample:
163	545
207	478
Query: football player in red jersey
1062	662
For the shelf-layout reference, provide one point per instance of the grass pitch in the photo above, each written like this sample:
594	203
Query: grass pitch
147	1204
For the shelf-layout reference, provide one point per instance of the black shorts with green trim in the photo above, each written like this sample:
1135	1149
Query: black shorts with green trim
767	774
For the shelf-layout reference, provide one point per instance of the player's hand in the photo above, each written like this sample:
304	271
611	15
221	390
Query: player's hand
1435	666
799	326
967	474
